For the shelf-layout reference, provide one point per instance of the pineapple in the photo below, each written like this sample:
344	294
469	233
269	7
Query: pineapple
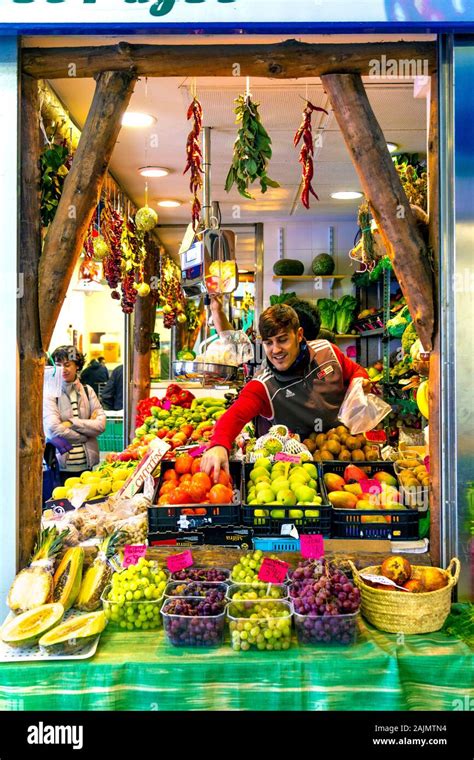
33	586
98	575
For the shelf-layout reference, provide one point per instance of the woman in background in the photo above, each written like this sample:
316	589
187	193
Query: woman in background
76	417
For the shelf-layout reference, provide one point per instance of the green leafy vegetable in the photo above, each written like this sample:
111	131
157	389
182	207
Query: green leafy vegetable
284	298
54	163
252	150
327	311
345	312
408	338
460	623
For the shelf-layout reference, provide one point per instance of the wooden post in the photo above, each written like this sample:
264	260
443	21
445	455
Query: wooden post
64	240
381	184
144	323
284	60
31	354
435	357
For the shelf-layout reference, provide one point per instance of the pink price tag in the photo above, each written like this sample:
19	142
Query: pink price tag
179	562
281	457
370	485
426	462
132	554
166	404
273	571
312	546
196	452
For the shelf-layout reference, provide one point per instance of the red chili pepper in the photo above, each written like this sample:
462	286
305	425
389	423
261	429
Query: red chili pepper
307	151
193	159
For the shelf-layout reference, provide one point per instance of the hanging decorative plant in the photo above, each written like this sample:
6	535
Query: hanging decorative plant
89	269
194	160
146	219
414	179
305	132
252	150
55	163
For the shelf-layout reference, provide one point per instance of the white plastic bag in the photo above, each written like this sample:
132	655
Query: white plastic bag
53	380
362	411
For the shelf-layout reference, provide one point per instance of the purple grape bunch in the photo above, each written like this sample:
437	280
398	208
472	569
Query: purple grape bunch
321	605
203	589
195	622
209	574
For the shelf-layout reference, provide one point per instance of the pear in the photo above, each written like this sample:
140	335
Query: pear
311	469
304	493
280	484
287	498
263	462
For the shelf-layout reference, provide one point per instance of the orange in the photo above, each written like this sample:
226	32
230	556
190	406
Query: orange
202	479
186	478
170	475
196	465
169	485
183	465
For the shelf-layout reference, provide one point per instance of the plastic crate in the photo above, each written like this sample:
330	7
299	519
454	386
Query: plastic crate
162	518
112	438
271	526
280	544
398	525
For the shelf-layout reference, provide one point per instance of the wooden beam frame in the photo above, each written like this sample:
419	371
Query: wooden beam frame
31	355
65	237
383	188
285	60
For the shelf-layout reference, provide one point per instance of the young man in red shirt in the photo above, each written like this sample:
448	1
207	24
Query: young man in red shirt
302	385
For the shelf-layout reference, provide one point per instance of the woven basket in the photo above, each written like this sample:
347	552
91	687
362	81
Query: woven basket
403	612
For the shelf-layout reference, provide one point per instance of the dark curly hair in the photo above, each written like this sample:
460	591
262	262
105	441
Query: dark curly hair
308	316
69	354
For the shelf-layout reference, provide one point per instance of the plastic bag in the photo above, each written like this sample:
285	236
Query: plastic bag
232	348
360	411
53	380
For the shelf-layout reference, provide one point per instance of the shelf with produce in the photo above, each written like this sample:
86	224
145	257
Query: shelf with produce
307	277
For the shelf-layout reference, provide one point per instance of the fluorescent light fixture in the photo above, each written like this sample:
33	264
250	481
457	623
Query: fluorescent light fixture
346	195
169	204
137	119
153	171
392	147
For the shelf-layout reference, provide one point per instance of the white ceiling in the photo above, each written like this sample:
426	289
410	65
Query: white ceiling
402	117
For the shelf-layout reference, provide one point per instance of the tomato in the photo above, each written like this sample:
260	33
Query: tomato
168	485
184	462
220	494
170	475
179	496
196	465
203	480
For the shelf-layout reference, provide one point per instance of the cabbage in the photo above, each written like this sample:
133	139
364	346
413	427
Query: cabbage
345	313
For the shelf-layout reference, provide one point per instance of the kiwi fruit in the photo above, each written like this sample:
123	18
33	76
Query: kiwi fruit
317	456
345	455
341	430
358	456
320	440
333	446
310	445
326	455
352	443
313	436
333	437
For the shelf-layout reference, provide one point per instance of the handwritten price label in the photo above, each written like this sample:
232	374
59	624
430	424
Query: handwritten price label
281	457
312	547
179	562
382	580
273	571
370	485
132	554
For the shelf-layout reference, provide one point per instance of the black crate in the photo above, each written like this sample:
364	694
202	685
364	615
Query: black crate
271	526
352	523
175	516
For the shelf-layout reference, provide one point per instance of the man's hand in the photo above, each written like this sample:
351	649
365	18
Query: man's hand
366	385
214	460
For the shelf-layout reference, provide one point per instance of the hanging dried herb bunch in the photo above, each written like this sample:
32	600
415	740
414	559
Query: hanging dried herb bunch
252	150
55	162
414	179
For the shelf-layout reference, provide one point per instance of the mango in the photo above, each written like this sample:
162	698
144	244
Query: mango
354	488
366	504
352	472
334	482
342	499
385	477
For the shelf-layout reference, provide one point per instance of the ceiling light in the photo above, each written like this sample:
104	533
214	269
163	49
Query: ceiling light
346	195
137	119
169	204
392	147
153	171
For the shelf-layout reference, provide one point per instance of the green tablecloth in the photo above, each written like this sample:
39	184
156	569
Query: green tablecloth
139	671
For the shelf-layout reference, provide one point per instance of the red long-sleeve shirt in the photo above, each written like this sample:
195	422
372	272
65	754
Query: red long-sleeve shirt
253	401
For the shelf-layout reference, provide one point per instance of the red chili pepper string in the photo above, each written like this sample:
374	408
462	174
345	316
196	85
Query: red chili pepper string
194	159
305	131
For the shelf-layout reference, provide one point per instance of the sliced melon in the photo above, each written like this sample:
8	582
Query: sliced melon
25	630
73	634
